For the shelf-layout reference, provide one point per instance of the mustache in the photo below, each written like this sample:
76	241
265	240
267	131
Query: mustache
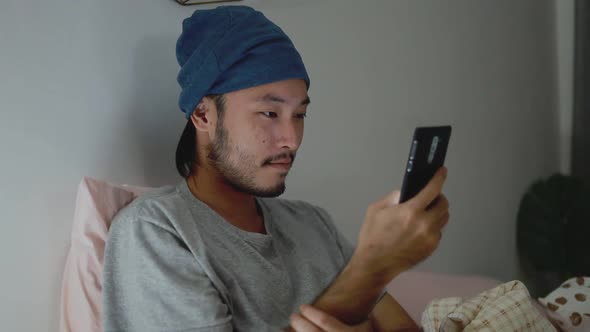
285	155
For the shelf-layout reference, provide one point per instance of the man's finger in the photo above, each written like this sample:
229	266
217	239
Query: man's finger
390	200
439	208
431	191
321	319
438	212
301	324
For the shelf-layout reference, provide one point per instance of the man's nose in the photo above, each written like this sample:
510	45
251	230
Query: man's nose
288	134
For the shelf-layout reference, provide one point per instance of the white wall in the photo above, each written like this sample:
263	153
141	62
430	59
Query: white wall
88	88
564	24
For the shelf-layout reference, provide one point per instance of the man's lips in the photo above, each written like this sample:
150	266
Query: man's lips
281	161
283	164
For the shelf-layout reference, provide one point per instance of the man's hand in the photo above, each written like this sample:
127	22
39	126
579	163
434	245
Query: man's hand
395	237
314	320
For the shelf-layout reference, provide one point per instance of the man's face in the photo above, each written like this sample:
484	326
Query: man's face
257	136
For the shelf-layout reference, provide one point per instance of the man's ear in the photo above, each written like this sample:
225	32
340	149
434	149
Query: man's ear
202	116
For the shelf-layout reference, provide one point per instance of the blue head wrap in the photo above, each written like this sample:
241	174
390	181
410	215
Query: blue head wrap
231	48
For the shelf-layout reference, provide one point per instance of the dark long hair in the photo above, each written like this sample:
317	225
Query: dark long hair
186	152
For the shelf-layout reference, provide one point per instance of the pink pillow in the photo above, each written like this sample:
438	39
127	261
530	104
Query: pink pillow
97	202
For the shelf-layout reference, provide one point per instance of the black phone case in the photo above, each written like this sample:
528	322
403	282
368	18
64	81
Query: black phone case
419	169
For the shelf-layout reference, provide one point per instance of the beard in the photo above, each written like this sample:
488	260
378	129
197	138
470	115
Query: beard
240	175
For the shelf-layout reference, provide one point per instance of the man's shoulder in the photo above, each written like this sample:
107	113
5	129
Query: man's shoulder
156	206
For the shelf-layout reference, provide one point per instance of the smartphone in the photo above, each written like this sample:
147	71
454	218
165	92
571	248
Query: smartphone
427	154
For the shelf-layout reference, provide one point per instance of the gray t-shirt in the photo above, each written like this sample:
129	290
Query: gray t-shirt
173	264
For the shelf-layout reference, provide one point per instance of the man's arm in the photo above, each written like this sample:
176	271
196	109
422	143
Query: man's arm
353	294
389	315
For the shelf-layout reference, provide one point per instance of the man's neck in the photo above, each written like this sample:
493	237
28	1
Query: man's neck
237	208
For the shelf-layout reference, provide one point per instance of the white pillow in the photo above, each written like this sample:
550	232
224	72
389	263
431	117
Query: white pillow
569	305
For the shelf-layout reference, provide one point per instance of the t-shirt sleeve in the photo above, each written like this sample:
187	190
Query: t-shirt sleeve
345	246
151	282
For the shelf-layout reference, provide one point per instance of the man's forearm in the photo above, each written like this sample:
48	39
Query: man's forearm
352	295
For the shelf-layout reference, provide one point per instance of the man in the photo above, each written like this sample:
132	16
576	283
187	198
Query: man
217	252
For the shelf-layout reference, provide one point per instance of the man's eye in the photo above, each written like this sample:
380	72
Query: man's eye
301	115
269	114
